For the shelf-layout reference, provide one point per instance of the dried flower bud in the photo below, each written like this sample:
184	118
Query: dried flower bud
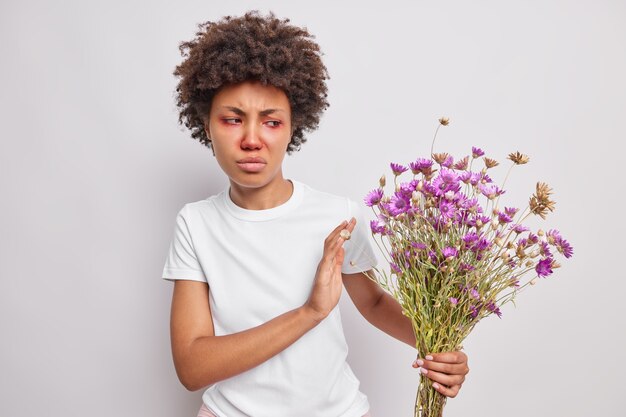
444	121
554	264
533	281
540	232
415	197
382	181
534	253
440	158
510	245
518	158
490	163
420	185
498	241
494	224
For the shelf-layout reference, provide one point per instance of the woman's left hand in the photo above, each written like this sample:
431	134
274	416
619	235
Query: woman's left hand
447	370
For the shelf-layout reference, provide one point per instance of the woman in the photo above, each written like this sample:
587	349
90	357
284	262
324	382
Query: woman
257	274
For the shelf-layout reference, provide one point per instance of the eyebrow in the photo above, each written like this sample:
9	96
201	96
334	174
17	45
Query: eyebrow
240	112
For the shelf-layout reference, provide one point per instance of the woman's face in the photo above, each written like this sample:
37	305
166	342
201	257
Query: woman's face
250	129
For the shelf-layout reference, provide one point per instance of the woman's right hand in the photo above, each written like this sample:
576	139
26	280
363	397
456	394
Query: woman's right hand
328	282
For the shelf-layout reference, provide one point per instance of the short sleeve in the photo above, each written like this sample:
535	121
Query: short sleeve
359	256
182	262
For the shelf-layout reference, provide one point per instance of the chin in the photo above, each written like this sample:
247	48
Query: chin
250	181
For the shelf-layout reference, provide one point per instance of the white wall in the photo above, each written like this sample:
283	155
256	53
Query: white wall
93	168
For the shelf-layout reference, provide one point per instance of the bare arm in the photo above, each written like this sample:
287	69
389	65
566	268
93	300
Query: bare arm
378	307
202	359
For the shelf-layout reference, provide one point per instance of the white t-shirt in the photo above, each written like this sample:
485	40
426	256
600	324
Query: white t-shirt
260	264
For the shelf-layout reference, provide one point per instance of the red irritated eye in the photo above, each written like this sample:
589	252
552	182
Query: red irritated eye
231	120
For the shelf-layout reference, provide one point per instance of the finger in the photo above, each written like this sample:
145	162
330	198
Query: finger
351	225
444	379
448	357
446	368
332	236
335	239
451	392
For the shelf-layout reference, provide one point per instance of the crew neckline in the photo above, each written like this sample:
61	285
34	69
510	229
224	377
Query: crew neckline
267	214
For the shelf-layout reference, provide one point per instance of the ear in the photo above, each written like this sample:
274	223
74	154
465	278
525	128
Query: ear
208	136
207	130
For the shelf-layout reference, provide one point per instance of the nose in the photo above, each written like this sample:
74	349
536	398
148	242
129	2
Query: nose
251	138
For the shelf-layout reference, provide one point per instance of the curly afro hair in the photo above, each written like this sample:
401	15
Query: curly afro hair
252	48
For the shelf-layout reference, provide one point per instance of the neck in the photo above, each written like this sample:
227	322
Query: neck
261	198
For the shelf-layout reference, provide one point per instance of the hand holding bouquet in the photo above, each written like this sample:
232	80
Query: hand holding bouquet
455	255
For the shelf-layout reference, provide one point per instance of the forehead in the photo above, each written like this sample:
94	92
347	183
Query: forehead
251	95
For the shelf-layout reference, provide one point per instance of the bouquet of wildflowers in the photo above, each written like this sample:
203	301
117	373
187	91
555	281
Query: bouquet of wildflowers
455	255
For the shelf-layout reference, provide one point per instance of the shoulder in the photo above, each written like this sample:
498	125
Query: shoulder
204	207
330	201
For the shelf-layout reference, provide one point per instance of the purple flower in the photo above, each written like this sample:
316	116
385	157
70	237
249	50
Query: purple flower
421	165
418	245
471	205
474	311
475	178
544	249
479	221
504	218
395	268
494	309
453	301
433	257
447	209
477	152
447	180
511	211
448	162
565	248
519	228
555	238
377	227
374	197
475	294
485	179
465	267
465	176
533	238
398	204
449	252
544	267
397	168
490	191
407	188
